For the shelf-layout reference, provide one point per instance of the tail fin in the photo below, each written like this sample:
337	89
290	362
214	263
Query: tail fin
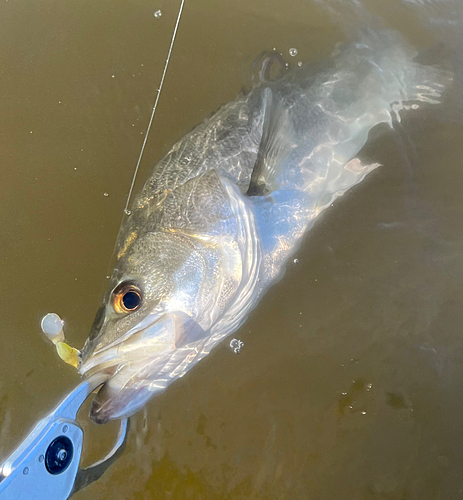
375	79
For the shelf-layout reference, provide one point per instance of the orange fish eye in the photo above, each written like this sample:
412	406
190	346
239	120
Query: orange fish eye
127	297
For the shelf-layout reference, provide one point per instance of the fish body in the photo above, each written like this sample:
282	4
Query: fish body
223	211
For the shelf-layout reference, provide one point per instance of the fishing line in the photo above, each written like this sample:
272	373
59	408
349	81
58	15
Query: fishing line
126	209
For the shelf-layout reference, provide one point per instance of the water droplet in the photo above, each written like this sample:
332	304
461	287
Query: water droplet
157	14
236	345
293	52
65	428
41	458
105	194
26	470
299	64
127	211
296	261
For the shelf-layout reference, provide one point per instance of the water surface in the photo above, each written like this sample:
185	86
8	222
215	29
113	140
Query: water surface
350	379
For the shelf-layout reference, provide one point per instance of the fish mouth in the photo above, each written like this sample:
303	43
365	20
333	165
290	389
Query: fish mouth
135	346
130	366
129	353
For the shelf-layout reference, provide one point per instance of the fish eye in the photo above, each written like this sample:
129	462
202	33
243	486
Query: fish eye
131	300
127	297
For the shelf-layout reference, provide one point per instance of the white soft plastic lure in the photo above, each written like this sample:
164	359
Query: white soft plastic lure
53	327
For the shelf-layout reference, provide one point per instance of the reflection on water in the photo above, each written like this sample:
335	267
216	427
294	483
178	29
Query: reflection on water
350	379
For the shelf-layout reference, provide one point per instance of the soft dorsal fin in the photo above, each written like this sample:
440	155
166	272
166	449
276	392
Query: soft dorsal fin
275	145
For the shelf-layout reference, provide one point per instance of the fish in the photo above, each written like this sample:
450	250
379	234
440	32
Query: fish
221	214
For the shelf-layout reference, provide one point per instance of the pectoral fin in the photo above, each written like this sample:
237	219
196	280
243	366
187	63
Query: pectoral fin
275	145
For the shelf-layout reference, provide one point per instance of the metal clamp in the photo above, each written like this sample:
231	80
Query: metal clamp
46	464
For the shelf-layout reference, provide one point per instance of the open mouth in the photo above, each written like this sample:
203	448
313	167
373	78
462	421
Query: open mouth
141	362
128	372
120	367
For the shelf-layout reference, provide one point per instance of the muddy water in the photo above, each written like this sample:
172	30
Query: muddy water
349	383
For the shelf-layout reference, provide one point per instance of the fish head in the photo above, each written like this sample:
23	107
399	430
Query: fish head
169	286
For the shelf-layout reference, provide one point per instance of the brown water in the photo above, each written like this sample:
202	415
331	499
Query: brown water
349	385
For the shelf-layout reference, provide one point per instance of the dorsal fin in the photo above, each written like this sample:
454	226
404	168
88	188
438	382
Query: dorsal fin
275	145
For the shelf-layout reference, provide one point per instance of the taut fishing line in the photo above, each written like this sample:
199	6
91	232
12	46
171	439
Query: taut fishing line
158	93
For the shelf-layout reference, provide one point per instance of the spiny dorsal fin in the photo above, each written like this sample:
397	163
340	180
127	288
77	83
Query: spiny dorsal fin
275	145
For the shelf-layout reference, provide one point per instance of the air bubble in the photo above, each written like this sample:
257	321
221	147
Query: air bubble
157	14
236	345
293	52
296	261
299	64
105	194
127	211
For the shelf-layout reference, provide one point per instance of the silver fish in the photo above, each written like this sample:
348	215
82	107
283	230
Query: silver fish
223	211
